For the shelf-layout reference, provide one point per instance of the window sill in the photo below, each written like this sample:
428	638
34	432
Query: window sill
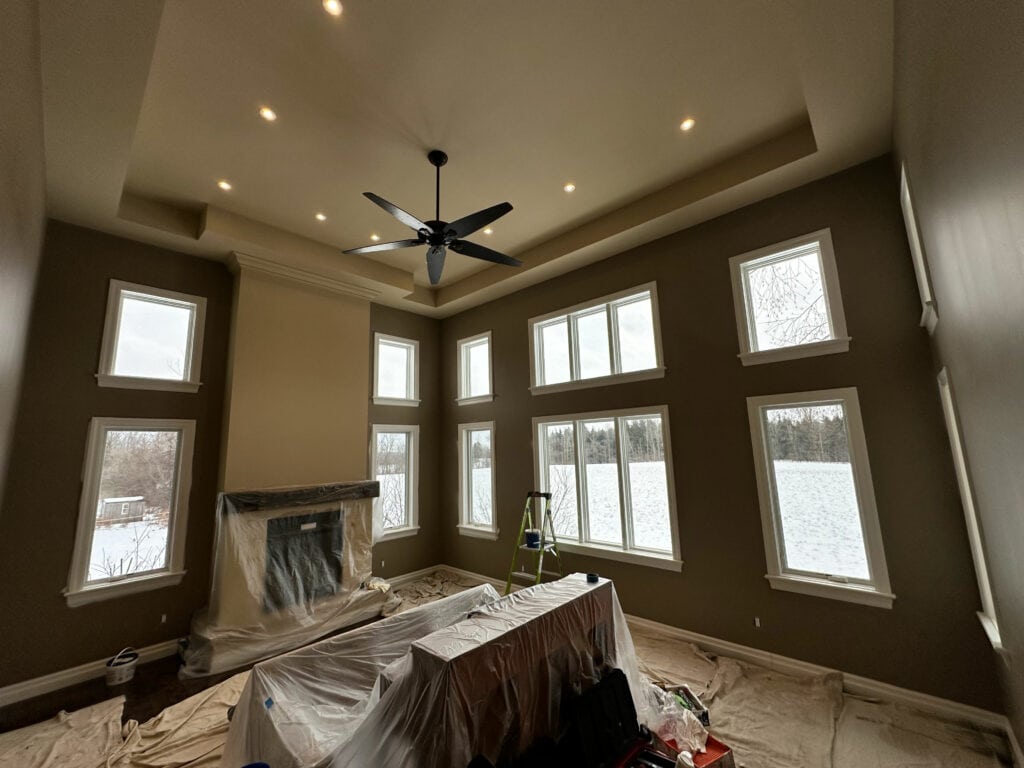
114	589
600	381
664	562
474	400
477	532
137	382
398	533
992	631
395	401
851	593
829	347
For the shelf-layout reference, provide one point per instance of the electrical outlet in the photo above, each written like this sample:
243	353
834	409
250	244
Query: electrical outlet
382	564
757	622
163	618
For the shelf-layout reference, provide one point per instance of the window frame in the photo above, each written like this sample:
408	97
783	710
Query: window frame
876	590
462	349
79	591
105	377
987	615
412	490
570	315
840	341
412	370
636	555
465	527
929	309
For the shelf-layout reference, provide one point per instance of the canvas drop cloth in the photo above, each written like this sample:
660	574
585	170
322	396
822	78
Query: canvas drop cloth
81	739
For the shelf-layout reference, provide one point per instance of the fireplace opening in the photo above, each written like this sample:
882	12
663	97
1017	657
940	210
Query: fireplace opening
303	559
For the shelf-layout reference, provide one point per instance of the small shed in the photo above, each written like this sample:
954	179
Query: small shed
121	509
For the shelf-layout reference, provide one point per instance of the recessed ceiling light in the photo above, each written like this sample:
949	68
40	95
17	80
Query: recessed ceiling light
321	217
375	237
268	114
570	187
333	7
488	231
687	124
224	184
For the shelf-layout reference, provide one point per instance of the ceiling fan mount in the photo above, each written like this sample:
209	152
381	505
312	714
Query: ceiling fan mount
441	235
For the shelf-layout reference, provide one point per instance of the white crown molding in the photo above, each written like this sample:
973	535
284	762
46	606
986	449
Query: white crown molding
239	261
37	686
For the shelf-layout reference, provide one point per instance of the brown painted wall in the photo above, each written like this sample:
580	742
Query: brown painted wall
959	112
923	641
59	396
22	200
422	550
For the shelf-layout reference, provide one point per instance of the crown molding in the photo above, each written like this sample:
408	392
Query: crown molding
238	262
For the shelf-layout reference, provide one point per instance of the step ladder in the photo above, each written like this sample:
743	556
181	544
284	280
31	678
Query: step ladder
548	540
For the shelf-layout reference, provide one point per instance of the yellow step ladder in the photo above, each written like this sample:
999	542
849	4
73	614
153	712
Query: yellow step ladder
548	542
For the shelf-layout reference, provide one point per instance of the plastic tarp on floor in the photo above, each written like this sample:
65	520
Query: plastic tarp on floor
290	566
299	708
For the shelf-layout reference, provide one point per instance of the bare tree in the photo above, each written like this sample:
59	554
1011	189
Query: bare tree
392	466
788	301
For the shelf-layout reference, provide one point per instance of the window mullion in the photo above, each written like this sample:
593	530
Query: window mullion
582	506
625	491
574	349
611	318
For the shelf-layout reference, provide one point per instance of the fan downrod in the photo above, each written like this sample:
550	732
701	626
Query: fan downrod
437	158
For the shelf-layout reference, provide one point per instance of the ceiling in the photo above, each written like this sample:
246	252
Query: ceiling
148	104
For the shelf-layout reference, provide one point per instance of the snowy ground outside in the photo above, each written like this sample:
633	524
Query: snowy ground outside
127	548
820	519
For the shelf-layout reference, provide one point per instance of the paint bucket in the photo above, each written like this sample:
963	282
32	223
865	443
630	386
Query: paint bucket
121	668
533	538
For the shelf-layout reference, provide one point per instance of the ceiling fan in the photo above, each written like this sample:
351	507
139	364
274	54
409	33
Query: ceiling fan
441	235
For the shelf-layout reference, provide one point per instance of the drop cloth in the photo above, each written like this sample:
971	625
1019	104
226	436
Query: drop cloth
80	739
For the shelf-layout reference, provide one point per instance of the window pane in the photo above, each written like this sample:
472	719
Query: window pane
479	447
814	490
602	478
136	496
560	472
393	361
786	300
636	336
554	341
592	338
392	472
648	483
478	364
153	338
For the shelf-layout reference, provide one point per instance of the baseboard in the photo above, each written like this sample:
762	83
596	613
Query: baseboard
1018	753
67	677
854	684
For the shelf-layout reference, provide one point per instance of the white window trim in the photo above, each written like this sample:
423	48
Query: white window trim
78	591
413	381
929	310
412	484
463	380
875	591
840	341
667	561
537	363
465	527
987	614
112	326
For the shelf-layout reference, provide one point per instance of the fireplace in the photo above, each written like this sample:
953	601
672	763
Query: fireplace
303	561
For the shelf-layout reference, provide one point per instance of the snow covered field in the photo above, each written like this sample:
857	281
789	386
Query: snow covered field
127	548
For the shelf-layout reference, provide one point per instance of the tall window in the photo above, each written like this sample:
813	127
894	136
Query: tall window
610	476
987	615
614	338
476	480
395	371
929	312
817	501
131	526
787	300
475	369
394	456
152	339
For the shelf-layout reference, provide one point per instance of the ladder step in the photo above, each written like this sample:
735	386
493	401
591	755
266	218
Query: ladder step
547	547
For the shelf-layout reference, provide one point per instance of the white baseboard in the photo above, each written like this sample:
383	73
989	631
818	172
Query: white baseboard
67	677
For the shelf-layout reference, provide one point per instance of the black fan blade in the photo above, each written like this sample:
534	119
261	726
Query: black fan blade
385	246
467	225
435	263
467	248
406	218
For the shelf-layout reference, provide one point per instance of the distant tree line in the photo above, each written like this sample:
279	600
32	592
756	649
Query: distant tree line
137	463
643	436
816	433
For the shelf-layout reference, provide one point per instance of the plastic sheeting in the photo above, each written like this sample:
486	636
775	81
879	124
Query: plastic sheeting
297	709
494	683
289	567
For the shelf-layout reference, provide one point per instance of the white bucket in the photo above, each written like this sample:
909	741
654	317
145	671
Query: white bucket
121	668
